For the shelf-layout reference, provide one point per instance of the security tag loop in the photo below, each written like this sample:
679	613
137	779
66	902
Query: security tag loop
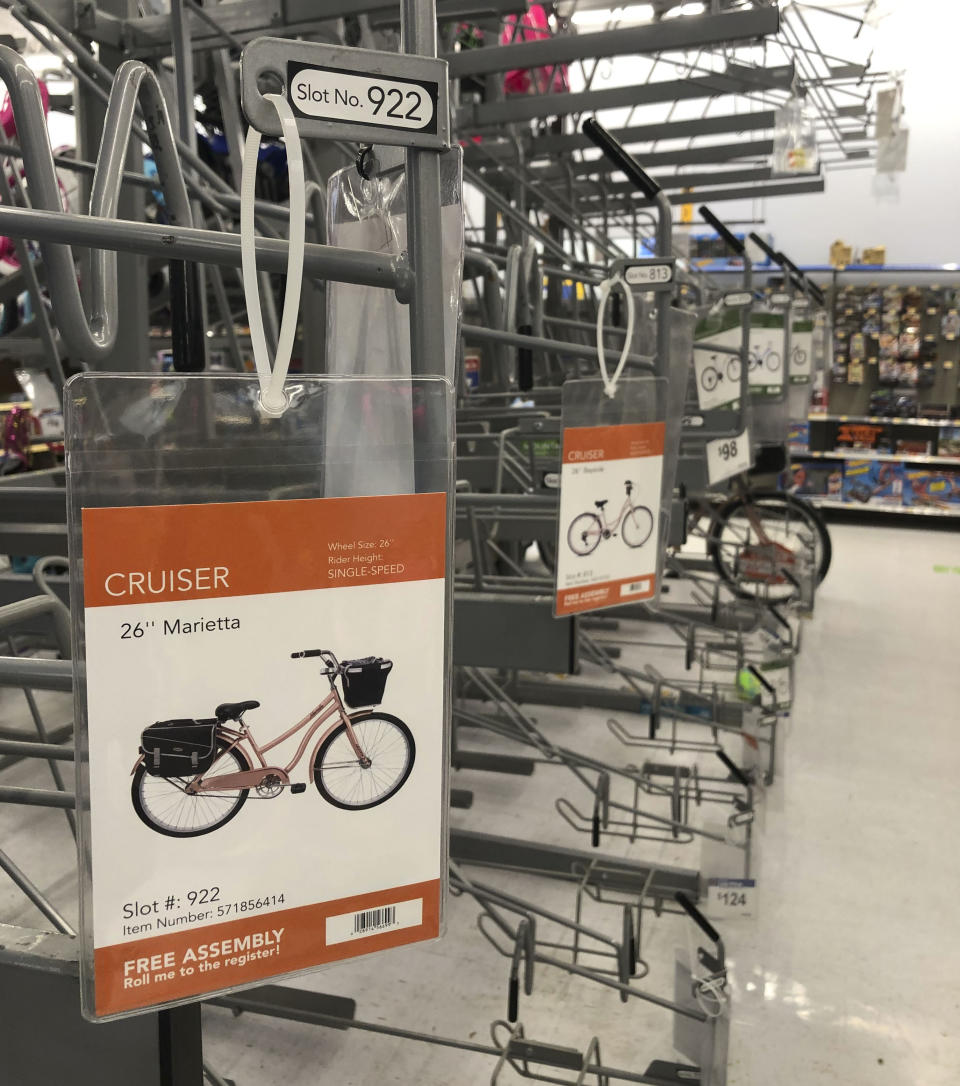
273	400
607	287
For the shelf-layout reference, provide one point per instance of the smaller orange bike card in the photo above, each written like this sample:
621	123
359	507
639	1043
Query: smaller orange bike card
608	543
265	734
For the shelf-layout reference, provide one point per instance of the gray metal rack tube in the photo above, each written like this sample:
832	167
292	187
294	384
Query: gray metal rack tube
532	107
647	133
556	346
204	246
685	33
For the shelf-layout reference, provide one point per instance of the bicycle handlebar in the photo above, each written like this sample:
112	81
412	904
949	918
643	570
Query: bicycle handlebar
757	240
728	236
617	155
306	652
696	916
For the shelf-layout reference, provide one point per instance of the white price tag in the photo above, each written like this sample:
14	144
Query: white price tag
335	95
780	298
728	456
737	299
731	897
648	274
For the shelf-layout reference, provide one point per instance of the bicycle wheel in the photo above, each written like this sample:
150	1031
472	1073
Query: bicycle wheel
709	378
584	534
799	356
773	361
637	526
345	782
733	371
786	520
165	806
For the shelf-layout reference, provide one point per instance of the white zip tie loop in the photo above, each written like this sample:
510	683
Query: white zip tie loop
273	400
607	287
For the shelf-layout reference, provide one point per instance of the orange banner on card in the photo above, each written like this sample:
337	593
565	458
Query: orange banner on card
571	601
586	444
184	964
158	553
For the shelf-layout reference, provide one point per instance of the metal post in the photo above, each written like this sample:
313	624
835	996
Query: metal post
427	355
131	350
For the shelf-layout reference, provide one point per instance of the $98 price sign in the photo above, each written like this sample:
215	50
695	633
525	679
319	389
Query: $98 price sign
334	94
728	456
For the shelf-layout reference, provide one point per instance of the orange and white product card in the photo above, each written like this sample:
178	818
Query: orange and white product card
265	727
609	522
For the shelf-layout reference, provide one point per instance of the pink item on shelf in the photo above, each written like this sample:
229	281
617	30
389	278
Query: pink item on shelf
534	26
6	112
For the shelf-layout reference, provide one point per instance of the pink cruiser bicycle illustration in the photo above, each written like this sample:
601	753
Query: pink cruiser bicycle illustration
634	524
193	776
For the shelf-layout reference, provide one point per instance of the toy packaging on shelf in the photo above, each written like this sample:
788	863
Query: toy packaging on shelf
949	441
798	436
925	487
816	478
873	482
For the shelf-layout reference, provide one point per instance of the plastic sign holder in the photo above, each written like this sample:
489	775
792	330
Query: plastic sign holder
609	528
341	93
261	634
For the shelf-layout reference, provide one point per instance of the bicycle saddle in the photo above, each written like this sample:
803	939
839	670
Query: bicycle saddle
233	710
600	505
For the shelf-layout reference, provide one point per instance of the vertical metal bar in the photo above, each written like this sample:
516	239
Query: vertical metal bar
131	352
419	36
189	310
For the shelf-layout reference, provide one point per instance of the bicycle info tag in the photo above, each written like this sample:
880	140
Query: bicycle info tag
260	609
612	519
801	352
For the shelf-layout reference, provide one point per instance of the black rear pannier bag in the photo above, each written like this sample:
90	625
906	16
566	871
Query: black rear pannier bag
179	748
364	681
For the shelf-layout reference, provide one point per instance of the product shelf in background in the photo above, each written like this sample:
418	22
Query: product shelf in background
908	510
877	419
864	454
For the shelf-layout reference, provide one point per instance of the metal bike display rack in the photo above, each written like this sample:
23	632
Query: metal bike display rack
670	744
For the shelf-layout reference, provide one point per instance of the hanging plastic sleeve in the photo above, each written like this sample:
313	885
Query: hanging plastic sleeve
273	400
607	287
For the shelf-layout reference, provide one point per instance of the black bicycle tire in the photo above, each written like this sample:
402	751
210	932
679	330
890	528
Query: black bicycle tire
318	781
593	516
141	772
635	509
769	359
703	379
808	512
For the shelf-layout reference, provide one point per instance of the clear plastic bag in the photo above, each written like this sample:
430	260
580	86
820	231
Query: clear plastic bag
794	139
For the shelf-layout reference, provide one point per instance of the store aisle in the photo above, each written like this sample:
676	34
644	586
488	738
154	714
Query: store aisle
852	972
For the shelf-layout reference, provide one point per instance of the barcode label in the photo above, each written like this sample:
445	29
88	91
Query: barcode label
635	587
374	919
367	922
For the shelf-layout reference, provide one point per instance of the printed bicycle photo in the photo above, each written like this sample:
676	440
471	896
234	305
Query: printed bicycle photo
634	524
194	775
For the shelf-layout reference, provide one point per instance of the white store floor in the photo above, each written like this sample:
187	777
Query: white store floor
851	972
